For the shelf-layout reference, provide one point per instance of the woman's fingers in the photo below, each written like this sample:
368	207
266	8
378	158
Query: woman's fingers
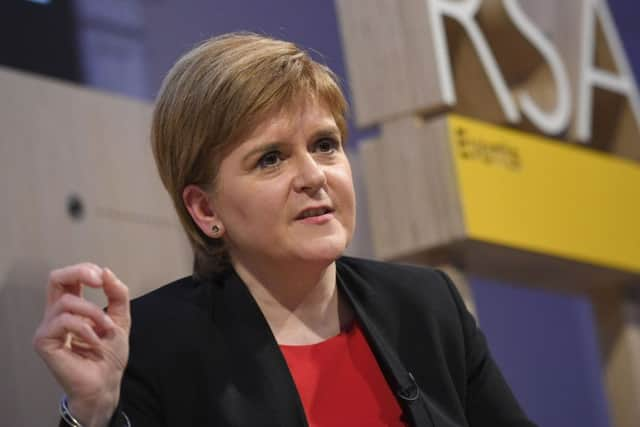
70	303
85	348
118	298
58	329
70	280
67	312
65	290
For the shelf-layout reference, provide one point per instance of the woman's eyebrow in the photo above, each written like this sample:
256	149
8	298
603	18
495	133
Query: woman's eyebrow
327	131
262	148
332	131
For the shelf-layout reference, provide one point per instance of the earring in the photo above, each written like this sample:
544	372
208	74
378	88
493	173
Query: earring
215	229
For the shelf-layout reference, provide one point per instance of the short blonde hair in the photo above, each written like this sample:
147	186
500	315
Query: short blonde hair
215	95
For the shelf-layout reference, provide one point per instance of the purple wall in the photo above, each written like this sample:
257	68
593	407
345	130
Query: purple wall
544	342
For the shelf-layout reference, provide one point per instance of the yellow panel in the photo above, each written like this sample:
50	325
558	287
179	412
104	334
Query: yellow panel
547	196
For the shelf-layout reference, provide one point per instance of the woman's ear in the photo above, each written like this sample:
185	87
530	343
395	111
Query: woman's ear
198	203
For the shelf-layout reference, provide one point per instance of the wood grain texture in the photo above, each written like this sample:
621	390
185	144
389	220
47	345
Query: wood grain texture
617	313
416	211
412	192
393	71
389	58
60	141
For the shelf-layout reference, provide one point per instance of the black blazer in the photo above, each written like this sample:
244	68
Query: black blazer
202	353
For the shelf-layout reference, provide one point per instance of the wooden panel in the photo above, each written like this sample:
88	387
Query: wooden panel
60	141
614	128
389	58
29	393
393	66
502	204
521	63
459	279
537	194
528	268
395	71
412	193
395	154
617	311
378	199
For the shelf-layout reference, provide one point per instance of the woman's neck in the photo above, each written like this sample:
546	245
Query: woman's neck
300	302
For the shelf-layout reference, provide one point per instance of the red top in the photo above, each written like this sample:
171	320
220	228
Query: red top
341	384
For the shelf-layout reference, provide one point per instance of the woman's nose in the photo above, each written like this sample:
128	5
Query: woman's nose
310	176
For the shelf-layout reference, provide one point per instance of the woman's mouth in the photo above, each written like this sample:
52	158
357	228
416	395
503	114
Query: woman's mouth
317	215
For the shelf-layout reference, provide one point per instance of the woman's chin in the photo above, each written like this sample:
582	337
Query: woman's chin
323	252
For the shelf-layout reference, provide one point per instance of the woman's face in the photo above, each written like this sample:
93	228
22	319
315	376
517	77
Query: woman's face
285	193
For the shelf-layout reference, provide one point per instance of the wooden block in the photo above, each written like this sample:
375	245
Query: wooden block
614	126
504	204
527	268
378	196
540	195
60	141
391	51
459	278
396	153
389	58
412	201
361	244
617	312
394	68
29	393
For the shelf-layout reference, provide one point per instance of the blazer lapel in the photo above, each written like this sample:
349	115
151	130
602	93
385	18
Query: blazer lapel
260	375
362	298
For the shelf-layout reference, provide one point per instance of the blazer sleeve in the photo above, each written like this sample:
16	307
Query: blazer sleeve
489	400
138	414
138	401
139	404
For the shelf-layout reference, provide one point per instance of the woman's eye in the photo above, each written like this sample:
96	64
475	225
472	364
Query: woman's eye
269	160
326	145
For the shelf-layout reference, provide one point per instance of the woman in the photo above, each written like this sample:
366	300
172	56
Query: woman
274	327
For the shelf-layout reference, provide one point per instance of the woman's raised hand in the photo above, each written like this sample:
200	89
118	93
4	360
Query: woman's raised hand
85	347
